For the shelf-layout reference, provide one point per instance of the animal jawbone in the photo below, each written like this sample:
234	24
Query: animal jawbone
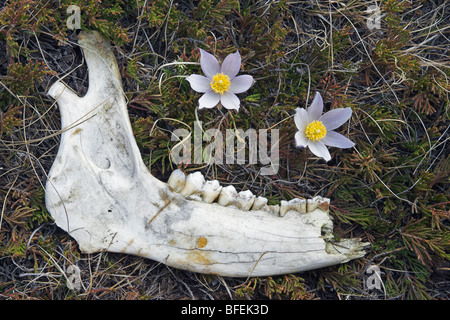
102	194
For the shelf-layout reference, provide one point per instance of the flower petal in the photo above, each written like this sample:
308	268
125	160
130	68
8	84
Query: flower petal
316	108
335	139
209	100
301	119
230	101
335	118
209	64
231	65
300	139
241	84
319	149
199	83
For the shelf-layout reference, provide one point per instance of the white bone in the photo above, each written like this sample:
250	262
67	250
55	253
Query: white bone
100	192
211	190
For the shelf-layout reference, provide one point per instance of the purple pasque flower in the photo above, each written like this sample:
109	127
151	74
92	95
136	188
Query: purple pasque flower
220	83
315	128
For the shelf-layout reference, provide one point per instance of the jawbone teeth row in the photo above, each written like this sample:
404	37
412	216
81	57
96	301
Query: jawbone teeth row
194	187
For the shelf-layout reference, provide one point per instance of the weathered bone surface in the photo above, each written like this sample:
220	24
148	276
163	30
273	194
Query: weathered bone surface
102	194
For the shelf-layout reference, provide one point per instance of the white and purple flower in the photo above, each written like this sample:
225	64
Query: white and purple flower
220	83
315	128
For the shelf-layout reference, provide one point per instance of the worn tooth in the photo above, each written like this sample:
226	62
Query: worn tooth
245	200
194	186
260	203
317	203
298	205
177	180
325	204
211	190
303	206
284	207
274	209
227	196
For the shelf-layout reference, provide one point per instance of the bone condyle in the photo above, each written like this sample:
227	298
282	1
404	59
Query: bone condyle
101	193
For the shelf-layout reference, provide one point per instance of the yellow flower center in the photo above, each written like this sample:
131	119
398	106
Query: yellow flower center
220	83
315	130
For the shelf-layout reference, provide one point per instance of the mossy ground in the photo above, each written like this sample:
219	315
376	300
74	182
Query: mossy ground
390	190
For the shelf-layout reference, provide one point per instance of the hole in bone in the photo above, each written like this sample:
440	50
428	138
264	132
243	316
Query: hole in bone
326	231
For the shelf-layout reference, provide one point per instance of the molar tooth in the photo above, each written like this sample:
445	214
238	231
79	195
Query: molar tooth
303	206
260	203
227	196
284	208
274	209
194	186
317	203
177	180
298	205
211	190
245	200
